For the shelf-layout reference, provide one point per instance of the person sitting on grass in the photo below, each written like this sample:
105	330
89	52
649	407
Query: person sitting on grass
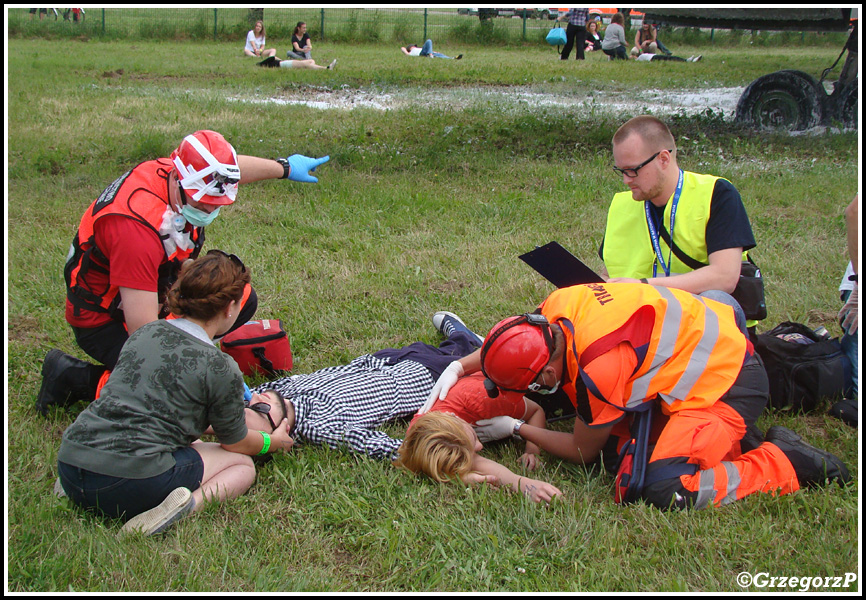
425	50
255	44
133	453
302	47
274	62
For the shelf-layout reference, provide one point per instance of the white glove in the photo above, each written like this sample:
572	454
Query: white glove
848	315
446	381
497	428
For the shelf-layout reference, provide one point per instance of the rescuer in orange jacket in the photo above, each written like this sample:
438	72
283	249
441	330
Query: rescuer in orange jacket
131	243
637	347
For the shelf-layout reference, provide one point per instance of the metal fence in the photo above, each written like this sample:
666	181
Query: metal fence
404	25
354	25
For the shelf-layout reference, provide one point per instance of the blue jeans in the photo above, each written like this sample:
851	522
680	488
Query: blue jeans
427	50
618	52
120	497
852	351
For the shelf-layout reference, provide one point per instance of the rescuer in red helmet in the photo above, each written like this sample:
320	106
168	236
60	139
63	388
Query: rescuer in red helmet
131	243
643	353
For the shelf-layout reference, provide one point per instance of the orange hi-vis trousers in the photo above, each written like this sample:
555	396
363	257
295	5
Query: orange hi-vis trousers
710	439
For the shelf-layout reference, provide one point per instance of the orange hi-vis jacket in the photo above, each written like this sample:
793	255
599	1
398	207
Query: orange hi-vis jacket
142	195
689	349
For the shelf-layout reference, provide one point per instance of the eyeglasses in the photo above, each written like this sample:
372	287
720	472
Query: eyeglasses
265	409
633	171
232	257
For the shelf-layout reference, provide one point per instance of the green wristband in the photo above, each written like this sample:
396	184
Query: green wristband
267	445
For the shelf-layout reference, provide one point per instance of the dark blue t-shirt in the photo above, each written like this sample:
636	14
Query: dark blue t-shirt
728	225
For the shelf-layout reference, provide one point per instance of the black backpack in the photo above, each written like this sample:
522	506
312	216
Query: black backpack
801	374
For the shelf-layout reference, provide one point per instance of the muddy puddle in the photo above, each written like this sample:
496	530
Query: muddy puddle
722	101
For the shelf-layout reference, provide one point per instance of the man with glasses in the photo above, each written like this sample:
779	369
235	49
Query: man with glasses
673	228
131	244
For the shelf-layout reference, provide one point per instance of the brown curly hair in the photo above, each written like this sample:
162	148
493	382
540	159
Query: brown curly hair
207	285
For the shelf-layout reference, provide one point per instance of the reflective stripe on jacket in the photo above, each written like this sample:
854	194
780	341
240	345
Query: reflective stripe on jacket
689	349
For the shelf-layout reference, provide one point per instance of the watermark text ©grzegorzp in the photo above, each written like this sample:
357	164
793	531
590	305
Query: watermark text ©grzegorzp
798	583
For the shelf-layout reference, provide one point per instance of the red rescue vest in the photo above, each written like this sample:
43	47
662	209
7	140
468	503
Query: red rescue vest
142	195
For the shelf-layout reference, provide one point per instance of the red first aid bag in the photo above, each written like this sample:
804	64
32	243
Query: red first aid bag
259	347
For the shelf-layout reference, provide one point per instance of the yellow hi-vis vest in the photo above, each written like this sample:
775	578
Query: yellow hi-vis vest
628	249
689	349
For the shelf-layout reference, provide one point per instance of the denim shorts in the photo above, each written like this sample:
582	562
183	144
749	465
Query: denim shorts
121	497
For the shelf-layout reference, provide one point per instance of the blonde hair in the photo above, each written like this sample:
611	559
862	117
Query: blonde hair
438	445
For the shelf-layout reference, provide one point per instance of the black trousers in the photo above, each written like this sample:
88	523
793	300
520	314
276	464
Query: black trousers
575	37
104	343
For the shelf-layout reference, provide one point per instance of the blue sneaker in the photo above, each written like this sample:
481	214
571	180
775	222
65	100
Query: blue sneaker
448	323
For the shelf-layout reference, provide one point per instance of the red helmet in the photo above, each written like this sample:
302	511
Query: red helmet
515	351
208	165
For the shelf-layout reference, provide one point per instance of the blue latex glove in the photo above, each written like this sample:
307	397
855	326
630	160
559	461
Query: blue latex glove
301	166
248	395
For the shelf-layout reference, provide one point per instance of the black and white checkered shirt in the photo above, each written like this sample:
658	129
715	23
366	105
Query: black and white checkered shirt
577	16
343	406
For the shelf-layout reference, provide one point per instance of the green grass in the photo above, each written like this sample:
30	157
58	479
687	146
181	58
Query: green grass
418	210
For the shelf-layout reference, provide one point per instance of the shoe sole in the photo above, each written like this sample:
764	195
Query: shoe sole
445	313
156	520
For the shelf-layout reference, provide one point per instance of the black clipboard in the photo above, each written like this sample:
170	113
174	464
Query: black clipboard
559	266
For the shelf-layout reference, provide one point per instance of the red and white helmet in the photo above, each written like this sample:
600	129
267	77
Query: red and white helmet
515	351
208	165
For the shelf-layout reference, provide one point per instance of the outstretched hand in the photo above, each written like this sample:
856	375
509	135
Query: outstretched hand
538	491
301	167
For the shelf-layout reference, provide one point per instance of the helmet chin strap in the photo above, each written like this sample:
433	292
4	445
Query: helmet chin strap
178	203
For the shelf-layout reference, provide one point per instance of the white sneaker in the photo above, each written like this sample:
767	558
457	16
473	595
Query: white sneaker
58	489
176	505
333	64
697	58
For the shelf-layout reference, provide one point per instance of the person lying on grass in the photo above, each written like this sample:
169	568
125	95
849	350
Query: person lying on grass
344	406
443	444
